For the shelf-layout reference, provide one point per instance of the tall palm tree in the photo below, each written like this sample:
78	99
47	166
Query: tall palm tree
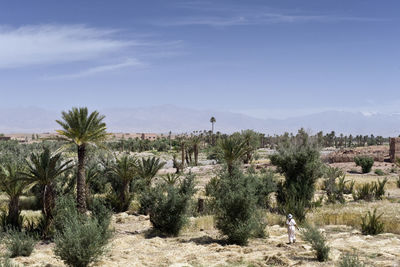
13	187
82	129
212	120
124	170
43	169
147	169
231	149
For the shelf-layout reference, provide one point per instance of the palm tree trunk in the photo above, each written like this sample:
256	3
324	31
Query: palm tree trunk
81	179
125	196
183	155
48	201
13	212
196	154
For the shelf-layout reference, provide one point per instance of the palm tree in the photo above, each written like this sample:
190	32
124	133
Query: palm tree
231	149
43	169
147	169
212	120
124	170
196	140
82	129
12	185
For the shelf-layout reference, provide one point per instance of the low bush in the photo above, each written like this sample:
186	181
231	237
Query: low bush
365	162
168	205
318	243
19	243
379	172
371	224
350	260
370	191
6	262
80	239
379	188
364	192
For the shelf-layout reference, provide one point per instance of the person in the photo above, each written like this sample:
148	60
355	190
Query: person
291	224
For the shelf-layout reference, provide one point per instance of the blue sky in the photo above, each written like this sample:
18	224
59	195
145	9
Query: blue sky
268	59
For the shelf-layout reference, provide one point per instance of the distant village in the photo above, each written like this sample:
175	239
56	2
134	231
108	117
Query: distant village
29	138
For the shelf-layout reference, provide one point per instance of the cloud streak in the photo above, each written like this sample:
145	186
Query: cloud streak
255	18
96	70
55	44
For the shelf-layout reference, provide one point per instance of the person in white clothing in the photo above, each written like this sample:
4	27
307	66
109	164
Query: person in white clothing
291	224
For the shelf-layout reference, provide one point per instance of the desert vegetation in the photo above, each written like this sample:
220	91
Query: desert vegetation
86	198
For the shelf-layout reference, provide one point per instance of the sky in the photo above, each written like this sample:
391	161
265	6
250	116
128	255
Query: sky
267	59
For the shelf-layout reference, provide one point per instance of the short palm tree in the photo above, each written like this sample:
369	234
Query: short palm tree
124	170
213	121
12	185
82	129
43	169
231	149
147	169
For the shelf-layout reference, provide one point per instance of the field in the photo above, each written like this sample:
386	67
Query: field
200	243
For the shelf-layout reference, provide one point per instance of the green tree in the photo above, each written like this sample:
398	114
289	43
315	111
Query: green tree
231	150
124	171
43	169
82	129
299	161
147	169
13	186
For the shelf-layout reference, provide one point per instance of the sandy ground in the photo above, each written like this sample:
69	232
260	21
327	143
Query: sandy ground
131	246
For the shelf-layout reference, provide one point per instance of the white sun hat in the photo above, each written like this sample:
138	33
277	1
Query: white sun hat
290	216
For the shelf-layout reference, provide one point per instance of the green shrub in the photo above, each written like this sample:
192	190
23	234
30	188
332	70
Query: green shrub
168	205
371	224
379	188
379	172
350	260
236	206
365	162
299	161
29	203
318	243
364	192
297	207
334	191
349	188
370	191
19	243
80	239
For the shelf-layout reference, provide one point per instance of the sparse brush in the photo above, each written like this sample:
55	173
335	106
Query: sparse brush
19	243
379	188
365	162
349	188
398	182
364	192
379	172
350	260
6	262
371	224
318	243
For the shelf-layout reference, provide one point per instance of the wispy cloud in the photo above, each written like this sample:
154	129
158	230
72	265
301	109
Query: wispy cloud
98	69
55	44
255	19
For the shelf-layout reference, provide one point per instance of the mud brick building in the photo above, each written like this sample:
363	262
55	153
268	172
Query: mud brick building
394	151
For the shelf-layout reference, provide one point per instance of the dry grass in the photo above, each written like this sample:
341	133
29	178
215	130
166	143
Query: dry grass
350	214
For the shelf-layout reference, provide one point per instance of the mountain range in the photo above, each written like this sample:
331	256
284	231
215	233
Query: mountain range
165	118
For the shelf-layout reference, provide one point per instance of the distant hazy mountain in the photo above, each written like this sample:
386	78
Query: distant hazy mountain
176	119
